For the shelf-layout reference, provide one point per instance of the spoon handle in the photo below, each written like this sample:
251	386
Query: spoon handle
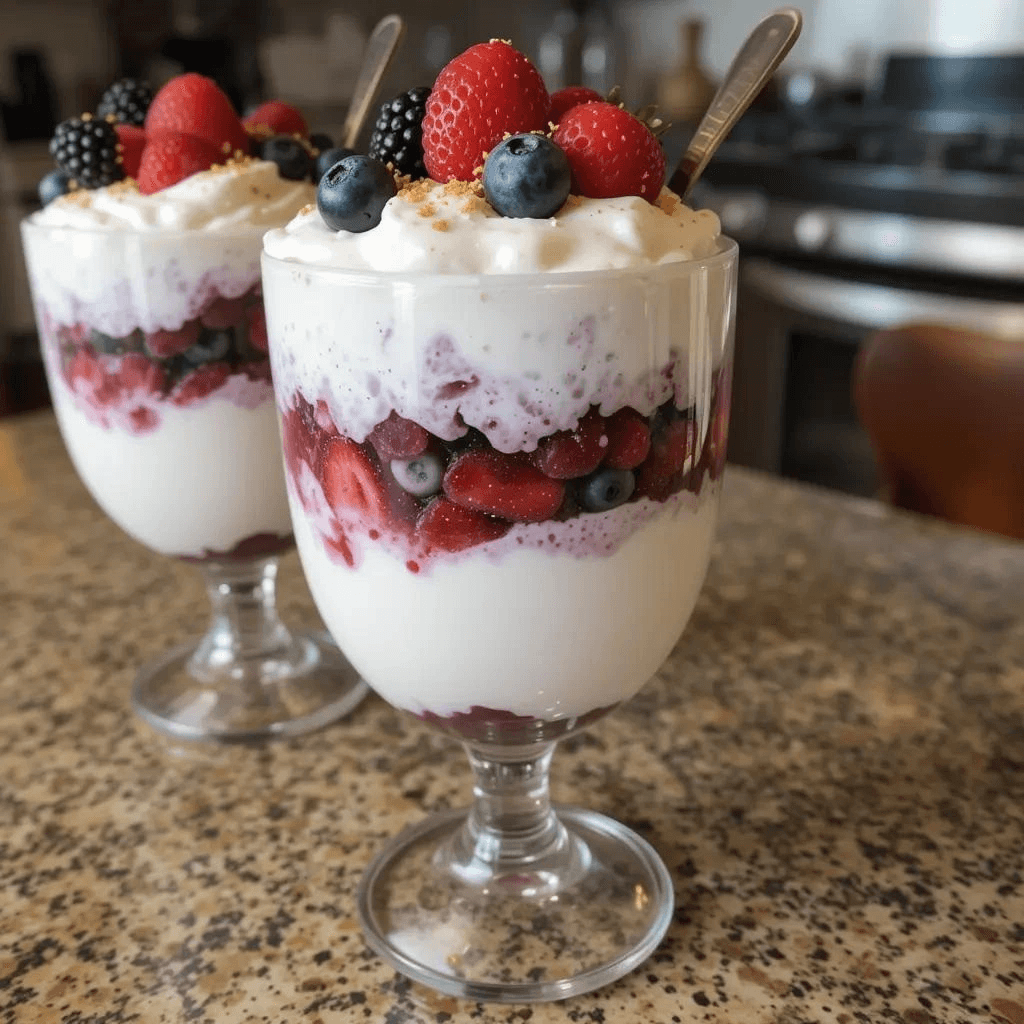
760	55
380	49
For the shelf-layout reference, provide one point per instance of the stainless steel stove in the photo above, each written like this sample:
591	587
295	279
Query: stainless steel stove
855	214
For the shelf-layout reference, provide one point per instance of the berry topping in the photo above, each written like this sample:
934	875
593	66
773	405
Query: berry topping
483	94
527	176
165	344
200	384
89	381
192	104
607	489
298	438
398	438
126	101
276	117
565	99
140	377
671	449
502	485
327	158
224	312
257	321
56	183
133	140
86	149
612	153
573	453
170	158
352	482
397	136
629	439
352	195
445	526
291	156
420	476
211	347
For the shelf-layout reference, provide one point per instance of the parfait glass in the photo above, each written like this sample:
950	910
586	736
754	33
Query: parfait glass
504	491
155	350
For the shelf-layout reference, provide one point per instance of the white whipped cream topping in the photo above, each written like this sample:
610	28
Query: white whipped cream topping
245	195
442	229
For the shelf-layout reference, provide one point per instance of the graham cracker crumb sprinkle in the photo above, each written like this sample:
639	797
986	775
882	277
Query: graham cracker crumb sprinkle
668	202
474	204
440	225
79	197
307	209
427	210
126	186
463	189
571	202
417	191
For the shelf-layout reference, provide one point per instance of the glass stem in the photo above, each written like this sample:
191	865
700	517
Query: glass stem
511	828
244	624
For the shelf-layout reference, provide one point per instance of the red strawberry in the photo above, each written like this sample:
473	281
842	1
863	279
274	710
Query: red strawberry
629	439
670	450
398	438
194	105
483	93
297	440
140	377
611	153
257	327
87	378
565	99
446	526
352	482
164	344
131	139
168	159
224	312
502	485
279	118
200	384
572	453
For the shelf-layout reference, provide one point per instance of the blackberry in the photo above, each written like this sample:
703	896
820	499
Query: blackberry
398	134
86	148
126	101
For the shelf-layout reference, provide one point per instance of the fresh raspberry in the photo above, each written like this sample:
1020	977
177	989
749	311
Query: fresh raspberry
481	95
200	384
257	321
132	139
88	380
670	451
572	453
565	99
194	105
445	526
164	344
168	159
611	152
629	439
352	482
223	312
139	377
398	438
502	485
275	117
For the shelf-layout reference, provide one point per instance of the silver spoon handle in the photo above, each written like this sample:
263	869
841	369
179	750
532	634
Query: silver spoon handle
380	49
760	55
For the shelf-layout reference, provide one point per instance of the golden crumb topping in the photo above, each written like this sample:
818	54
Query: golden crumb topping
440	225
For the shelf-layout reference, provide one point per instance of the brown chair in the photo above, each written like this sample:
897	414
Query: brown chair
945	412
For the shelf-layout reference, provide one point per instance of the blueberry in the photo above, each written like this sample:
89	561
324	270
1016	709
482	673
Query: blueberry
289	154
352	194
56	183
321	141
607	489
211	346
105	343
327	159
420	476
527	176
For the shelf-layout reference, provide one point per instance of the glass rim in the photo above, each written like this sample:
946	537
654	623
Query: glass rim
725	255
28	223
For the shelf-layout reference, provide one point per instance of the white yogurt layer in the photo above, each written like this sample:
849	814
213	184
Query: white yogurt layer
446	229
209	476
530	632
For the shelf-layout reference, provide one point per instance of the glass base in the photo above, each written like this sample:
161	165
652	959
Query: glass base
516	938
304	686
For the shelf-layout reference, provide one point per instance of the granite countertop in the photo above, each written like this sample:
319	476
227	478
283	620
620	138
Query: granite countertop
831	764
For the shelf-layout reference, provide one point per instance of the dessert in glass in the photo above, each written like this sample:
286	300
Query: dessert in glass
503	440
150	315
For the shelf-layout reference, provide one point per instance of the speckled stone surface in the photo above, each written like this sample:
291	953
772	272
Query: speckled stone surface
831	764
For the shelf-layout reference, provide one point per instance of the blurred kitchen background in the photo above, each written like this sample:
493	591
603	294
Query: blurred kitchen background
880	179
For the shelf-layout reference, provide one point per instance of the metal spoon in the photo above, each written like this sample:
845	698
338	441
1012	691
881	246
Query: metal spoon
380	49
760	55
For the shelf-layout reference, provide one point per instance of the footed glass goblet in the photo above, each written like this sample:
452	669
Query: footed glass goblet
156	355
504	491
